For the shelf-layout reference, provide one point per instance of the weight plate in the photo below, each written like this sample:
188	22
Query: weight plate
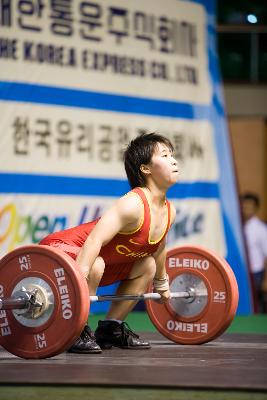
56	272
212	306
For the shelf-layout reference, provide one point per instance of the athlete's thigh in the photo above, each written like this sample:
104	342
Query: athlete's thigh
115	273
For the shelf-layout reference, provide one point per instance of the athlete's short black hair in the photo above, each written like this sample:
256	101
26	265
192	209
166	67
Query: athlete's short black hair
140	151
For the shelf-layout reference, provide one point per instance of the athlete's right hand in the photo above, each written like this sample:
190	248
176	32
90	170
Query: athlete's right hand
161	286
165	296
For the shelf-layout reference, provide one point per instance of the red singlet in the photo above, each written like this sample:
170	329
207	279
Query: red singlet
121	252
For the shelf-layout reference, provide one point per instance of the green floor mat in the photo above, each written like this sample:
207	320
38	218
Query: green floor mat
140	322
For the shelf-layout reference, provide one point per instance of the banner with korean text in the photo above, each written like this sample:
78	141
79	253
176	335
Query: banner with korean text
78	80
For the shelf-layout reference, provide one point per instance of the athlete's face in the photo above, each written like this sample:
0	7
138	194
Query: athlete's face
163	166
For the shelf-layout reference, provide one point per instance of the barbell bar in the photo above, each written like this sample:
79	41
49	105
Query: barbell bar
45	301
189	294
27	300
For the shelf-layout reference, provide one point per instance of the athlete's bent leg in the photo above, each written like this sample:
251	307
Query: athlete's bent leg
86	343
114	331
138	280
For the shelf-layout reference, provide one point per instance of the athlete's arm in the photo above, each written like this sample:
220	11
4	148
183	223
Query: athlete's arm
161	277
160	259
128	210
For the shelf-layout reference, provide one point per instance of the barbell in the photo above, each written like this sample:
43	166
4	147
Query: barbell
45	302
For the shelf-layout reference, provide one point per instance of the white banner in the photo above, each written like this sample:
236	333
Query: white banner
47	140
127	47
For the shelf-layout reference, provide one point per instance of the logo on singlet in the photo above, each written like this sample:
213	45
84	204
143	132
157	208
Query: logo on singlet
124	250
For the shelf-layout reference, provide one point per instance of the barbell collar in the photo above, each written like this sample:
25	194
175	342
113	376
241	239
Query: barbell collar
22	300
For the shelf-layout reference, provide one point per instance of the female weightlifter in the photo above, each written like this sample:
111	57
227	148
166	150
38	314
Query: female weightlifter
127	244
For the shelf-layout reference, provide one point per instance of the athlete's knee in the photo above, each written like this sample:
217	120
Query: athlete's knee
98	266
149	267
95	275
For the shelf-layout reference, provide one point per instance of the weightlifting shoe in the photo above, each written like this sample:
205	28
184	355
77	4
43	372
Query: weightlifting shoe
85	343
118	334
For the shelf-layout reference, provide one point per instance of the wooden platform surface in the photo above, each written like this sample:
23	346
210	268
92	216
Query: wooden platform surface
233	361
